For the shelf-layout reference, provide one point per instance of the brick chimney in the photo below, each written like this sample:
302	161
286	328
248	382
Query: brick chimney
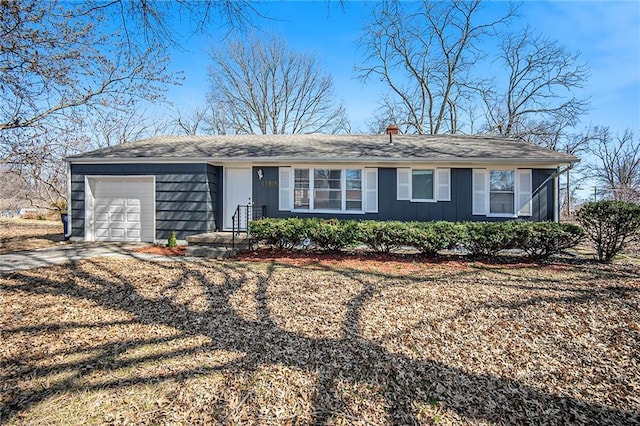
392	130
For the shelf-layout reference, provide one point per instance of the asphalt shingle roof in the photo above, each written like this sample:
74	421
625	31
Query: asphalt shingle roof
320	147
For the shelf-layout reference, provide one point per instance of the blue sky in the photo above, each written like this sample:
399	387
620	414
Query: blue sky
607	33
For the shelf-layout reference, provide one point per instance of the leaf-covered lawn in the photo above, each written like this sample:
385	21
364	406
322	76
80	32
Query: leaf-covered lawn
20	235
323	342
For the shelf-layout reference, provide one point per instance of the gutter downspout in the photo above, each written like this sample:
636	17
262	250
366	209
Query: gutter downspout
67	236
556	195
556	189
556	192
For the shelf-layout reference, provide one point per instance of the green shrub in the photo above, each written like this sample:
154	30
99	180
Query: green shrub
540	240
333	234
383	236
610	225
431	237
172	241
279	233
488	238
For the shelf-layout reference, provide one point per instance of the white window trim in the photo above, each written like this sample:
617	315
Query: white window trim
516	193
343	188
436	185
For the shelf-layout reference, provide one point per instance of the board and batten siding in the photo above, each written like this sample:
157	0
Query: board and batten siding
187	195
457	209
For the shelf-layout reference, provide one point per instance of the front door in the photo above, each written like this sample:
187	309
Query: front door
237	191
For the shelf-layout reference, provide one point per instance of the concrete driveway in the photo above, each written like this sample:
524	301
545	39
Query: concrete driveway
71	252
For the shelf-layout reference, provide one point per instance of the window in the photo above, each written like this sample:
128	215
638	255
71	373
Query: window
501	191
328	189
301	189
354	190
422	184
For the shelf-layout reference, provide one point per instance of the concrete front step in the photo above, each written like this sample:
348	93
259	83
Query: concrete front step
216	238
216	244
208	251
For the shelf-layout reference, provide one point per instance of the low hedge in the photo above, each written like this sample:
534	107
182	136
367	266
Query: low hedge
280	233
488	238
539	240
383	237
431	237
332	234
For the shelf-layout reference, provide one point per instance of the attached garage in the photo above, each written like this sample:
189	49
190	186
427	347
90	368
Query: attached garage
120	208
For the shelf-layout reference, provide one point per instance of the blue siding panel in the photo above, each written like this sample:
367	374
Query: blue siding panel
543	202
186	195
265	192
189	197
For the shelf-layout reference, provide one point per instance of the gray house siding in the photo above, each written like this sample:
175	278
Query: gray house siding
187	195
265	193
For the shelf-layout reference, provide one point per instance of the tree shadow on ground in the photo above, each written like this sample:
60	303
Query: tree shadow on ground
404	384
24	243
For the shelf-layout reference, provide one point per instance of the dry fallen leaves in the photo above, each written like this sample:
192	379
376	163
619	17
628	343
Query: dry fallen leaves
335	341
20	235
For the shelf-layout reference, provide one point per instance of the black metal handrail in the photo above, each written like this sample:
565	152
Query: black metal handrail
241	218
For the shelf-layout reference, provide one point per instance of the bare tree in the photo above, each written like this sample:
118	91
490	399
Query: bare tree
54	58
36	164
216	120
425	52
113	127
191	124
264	88
70	68
537	99
617	170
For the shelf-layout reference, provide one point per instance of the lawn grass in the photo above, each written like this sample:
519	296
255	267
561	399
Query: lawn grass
320	342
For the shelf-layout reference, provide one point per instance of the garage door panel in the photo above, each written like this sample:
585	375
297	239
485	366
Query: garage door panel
101	217
102	233
133	234
117	217
117	233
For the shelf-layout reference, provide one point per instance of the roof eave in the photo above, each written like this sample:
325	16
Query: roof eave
546	162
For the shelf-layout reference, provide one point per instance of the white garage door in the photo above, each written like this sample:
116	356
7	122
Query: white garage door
121	209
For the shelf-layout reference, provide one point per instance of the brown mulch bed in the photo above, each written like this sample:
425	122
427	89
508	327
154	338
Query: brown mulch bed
394	263
320	340
162	250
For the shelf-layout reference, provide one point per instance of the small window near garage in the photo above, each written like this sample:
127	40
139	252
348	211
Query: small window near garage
501	191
